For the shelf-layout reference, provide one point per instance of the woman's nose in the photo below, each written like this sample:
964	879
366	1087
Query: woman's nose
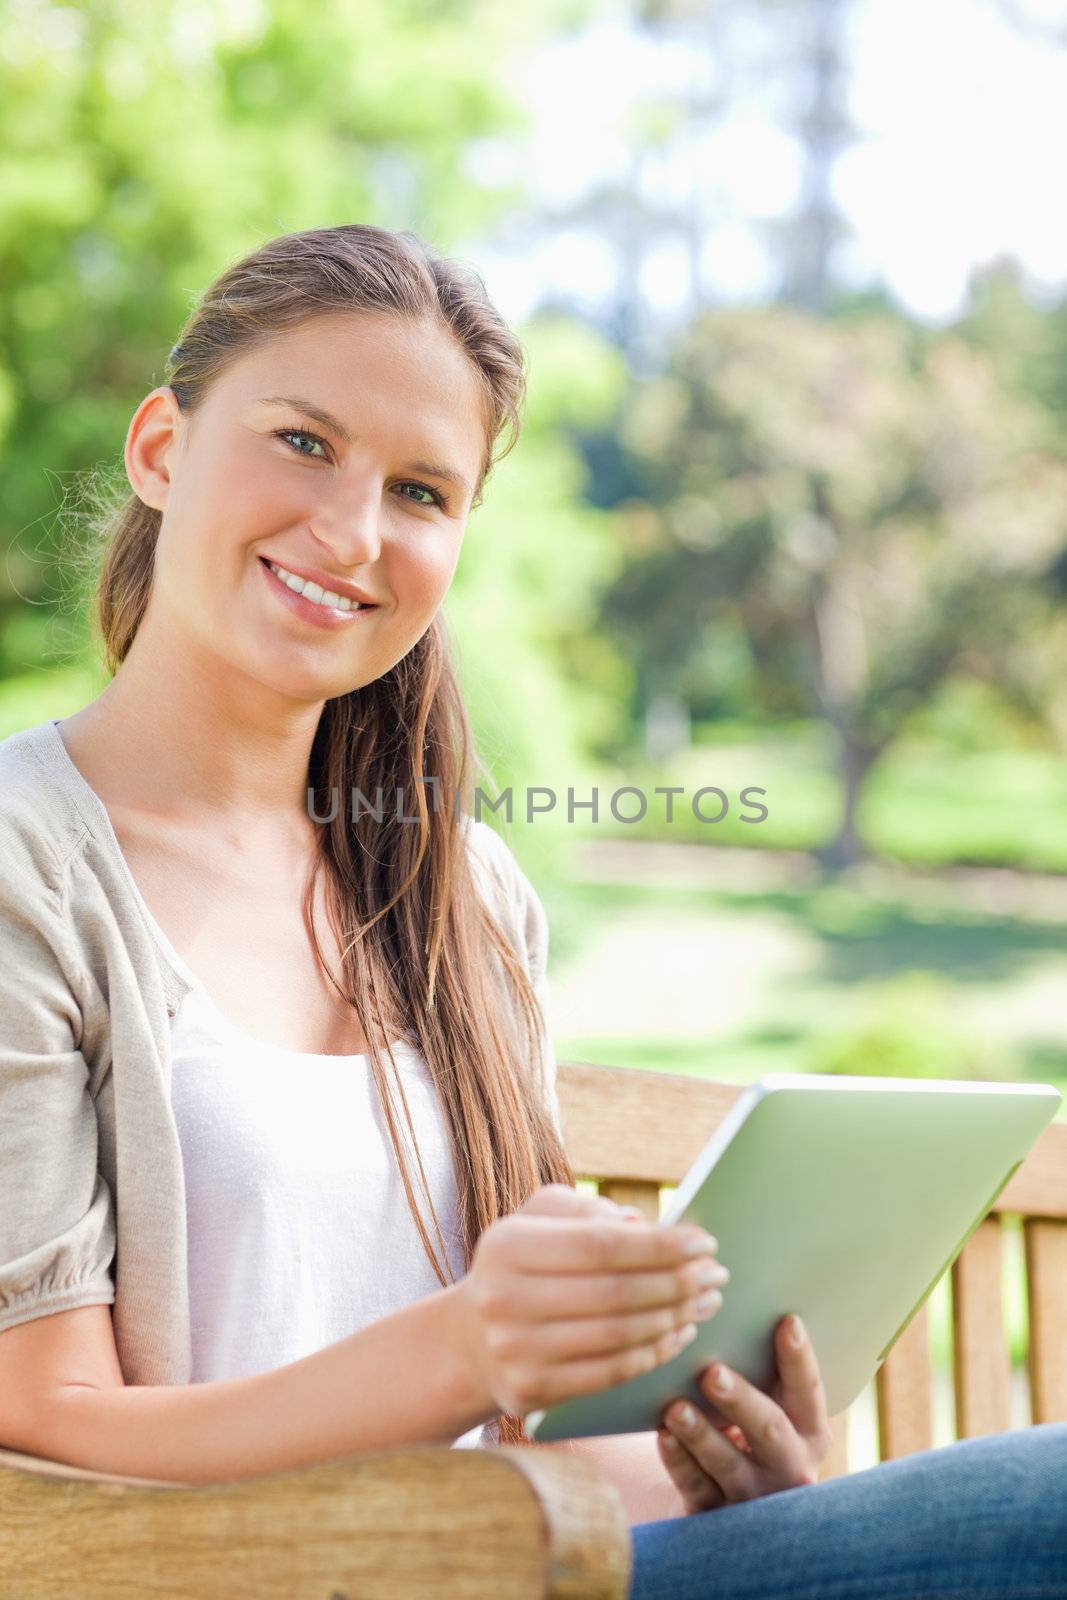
353	534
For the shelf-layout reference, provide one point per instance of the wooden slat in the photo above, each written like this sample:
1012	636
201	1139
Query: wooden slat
1046	1287
1039	1188
836	1463
982	1360
623	1122
905	1392
625	1192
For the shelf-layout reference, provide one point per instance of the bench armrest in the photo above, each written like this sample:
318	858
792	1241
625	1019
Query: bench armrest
422	1522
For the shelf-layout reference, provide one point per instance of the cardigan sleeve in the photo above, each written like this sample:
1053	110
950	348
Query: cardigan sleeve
57	1231
526	914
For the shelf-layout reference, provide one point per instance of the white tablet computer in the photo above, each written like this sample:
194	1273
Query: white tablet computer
843	1199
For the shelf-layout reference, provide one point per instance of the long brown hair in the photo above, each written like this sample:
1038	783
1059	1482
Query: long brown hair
422	955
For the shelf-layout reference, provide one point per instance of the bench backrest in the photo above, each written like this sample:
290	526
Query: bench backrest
632	1132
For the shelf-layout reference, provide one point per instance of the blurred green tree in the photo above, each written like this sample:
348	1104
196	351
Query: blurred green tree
144	147
543	685
141	149
866	499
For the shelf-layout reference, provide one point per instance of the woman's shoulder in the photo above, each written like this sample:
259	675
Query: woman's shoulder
494	858
513	896
488	848
39	827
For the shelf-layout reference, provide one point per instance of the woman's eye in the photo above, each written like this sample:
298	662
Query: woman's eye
301	433
435	498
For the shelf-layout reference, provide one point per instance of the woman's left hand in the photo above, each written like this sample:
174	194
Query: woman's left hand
770	1442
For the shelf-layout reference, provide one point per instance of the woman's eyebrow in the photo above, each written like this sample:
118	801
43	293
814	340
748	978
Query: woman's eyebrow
310	409
328	420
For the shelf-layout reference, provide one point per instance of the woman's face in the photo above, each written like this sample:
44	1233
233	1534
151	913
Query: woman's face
255	476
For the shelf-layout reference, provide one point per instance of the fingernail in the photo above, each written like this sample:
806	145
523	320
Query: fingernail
721	1381
796	1333
701	1244
685	1417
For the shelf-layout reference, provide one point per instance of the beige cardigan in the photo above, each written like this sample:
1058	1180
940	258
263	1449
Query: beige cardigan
92	1195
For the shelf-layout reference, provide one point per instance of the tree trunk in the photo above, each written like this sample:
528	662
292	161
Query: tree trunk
668	727
846	847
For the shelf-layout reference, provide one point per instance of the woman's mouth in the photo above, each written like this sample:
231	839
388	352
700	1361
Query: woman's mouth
308	601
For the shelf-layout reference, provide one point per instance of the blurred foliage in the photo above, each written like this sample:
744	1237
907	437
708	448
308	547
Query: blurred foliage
859	508
143	149
1026	341
539	679
907	1026
835	523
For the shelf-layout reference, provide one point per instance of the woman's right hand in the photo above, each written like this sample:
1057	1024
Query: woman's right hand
571	1294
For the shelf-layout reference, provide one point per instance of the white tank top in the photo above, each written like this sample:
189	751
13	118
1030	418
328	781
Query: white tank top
299	1231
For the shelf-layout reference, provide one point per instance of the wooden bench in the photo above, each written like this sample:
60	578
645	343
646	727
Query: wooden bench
425	1522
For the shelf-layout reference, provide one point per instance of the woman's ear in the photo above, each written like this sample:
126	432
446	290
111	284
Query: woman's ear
151	441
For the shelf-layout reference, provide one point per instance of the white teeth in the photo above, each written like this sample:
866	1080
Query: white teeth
315	591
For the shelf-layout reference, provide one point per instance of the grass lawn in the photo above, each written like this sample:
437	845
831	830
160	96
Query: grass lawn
926	801
833	979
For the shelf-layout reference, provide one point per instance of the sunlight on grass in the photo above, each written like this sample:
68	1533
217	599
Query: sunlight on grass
925	802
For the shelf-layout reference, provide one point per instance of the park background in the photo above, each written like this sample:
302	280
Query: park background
789	509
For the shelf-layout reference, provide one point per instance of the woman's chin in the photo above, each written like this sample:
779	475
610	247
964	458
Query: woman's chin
290	677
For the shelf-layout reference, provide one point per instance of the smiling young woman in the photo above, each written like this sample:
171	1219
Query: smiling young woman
237	1007
213	1263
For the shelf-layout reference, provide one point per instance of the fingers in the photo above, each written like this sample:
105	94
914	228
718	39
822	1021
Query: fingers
800	1390
709	1470
570	1343
764	1444
538	1296
565	1338
698	1490
778	1451
546	1384
569	1295
538	1243
736	1436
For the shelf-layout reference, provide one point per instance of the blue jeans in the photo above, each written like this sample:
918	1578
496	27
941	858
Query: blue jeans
984	1519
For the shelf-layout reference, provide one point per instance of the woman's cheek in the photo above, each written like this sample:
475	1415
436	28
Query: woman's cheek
420	575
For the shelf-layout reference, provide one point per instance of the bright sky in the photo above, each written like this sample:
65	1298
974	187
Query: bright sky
963	131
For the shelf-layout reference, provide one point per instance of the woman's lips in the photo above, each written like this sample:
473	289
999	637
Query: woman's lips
309	610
